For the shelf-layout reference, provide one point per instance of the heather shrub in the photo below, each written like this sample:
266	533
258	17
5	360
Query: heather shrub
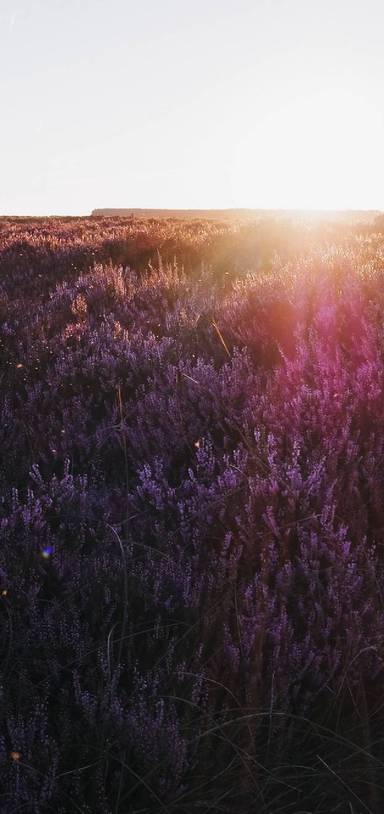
191	517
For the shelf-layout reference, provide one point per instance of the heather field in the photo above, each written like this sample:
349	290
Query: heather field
191	516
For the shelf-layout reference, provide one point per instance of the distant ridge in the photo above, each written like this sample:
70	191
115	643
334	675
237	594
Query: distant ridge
183	214
365	216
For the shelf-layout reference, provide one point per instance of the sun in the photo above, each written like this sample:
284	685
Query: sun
315	152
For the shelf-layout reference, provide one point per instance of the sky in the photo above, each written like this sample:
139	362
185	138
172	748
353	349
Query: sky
191	104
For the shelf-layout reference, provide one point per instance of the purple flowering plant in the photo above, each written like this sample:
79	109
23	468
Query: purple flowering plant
191	517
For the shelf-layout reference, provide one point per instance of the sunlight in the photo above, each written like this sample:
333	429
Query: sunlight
317	153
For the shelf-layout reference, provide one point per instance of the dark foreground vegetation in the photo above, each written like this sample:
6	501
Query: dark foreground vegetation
191	517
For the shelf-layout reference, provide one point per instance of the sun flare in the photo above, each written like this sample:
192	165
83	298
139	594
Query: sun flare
314	153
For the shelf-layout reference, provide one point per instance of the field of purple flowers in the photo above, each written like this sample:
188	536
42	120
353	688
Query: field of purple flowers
191	517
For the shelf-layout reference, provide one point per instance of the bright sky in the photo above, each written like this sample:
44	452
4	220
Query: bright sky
191	103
